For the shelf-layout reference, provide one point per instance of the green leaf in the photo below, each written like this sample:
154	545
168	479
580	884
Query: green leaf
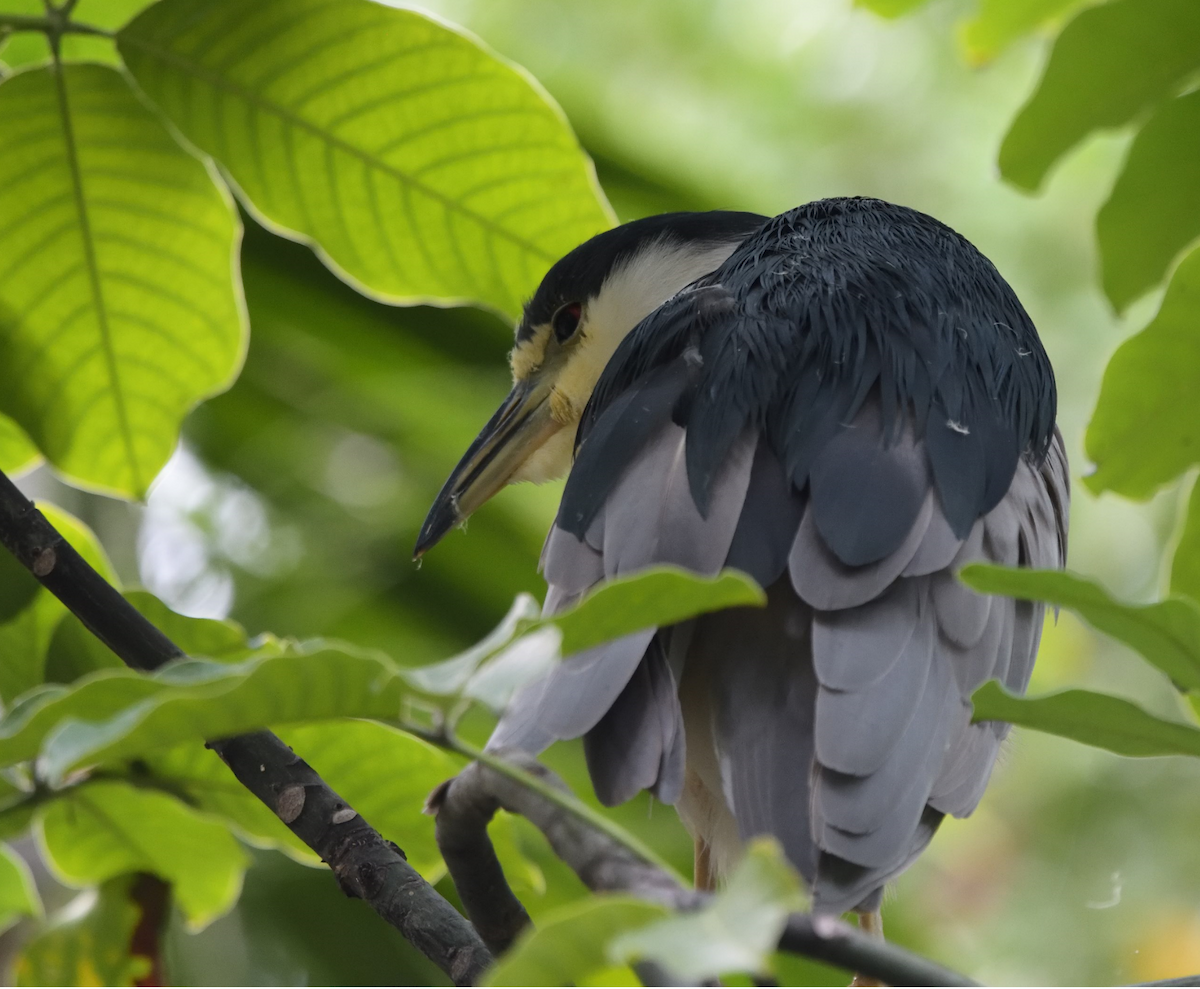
1109	64
889	8
1167	634
998	23
116	715
101	830
1146	427
422	165
1185	567
18	587
385	774
88	950
1154	209
18	893
737	932
25	638
17	453
655	597
119	309
1106	722
571	943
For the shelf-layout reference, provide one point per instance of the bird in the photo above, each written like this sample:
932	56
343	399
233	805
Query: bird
846	402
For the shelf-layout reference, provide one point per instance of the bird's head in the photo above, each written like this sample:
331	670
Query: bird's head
586	305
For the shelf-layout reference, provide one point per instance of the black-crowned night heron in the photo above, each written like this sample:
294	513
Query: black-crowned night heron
846	402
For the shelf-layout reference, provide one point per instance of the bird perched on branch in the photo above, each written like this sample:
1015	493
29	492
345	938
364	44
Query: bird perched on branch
848	403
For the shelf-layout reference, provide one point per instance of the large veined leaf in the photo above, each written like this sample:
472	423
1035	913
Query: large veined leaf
105	829
1146	427
119	309
737	932
1166	633
1109	64
25	638
422	165
571	944
1106	722
1154	209
89	947
998	23
1185	567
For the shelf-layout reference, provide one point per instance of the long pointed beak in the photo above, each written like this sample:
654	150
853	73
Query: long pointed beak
520	426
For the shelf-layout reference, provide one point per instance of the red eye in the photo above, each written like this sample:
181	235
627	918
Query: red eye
566	321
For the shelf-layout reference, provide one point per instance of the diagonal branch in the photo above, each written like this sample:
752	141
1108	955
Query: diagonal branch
465	805
366	866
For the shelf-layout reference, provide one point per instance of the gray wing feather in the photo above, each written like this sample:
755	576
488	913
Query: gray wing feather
854	647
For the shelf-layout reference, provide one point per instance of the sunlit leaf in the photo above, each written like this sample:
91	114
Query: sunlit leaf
25	638
1109	64
1106	722
1154	209
1146	427
118	305
32	47
88	950
661	596
572	943
106	829
18	894
1167	633
423	166
998	23
737	932
889	8
1185	568
118	714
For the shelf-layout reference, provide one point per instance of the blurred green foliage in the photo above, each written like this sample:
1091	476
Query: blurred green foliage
417	161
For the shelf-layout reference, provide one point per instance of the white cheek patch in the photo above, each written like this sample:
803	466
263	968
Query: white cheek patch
550	461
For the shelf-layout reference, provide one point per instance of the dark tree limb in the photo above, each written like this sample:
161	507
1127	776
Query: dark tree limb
465	805
366	866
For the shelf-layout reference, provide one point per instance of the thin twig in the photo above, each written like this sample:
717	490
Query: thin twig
50	26
366	866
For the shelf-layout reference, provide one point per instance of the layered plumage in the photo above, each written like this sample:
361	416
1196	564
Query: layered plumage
850	408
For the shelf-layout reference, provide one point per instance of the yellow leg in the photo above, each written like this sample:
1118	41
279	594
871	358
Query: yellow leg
872	924
702	874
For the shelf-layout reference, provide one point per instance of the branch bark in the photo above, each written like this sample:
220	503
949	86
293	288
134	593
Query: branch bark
465	805
366	866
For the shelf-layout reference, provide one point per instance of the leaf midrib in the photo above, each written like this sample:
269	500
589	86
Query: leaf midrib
284	113
93	270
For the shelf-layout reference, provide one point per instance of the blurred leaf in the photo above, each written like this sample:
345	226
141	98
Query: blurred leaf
119	254
1106	722
571	943
998	23
1167	633
102	830
1108	65
1154	209
119	714
25	638
659	596
1185	568
31	47
18	893
92	950
737	932
17	453
1146	427
18	587
422	165
74	651
890	8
